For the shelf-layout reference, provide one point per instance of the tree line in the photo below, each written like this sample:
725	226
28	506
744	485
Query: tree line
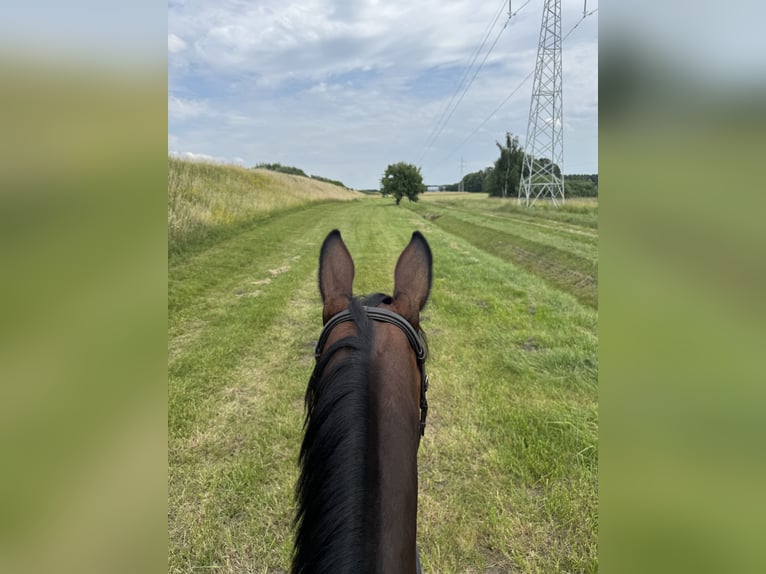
296	171
502	179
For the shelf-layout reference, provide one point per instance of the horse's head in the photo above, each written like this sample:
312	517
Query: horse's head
412	278
366	407
398	343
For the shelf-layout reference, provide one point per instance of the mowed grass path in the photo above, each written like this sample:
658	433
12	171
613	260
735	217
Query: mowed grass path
508	466
557	243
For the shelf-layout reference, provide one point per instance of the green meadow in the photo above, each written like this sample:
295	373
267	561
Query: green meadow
508	466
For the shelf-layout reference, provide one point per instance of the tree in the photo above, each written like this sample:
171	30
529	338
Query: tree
282	168
402	180
503	179
473	181
544	162
578	185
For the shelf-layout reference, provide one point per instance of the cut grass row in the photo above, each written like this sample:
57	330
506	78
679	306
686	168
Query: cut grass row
581	243
567	260
508	476
578	212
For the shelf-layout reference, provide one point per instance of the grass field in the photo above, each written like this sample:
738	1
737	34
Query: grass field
508	465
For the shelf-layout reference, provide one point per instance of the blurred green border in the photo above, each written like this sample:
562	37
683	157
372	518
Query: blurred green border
83	173
681	330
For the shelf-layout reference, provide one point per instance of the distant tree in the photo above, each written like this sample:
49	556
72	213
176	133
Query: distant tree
282	168
577	185
402	180
544	162
474	182
328	180
592	177
503	179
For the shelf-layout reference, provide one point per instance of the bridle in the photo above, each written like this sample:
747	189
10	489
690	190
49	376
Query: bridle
415	339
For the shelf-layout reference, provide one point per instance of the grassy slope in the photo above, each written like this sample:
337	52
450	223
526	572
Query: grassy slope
207	201
508	465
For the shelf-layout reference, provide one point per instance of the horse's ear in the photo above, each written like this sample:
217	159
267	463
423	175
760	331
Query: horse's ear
412	279
336	275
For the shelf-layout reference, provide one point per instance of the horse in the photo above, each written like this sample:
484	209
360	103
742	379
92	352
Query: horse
365	411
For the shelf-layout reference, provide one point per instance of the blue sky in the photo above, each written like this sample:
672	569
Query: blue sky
342	89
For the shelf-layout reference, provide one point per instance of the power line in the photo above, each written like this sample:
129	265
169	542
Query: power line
476	73
513	92
584	16
489	117
438	126
465	90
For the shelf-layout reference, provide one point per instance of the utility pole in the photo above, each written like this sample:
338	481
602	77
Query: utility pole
460	187
542	173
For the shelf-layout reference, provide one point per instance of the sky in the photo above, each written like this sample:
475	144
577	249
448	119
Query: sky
344	88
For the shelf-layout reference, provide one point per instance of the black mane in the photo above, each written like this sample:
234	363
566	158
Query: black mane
337	488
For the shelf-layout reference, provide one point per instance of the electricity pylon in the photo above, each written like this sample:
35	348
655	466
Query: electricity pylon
544	154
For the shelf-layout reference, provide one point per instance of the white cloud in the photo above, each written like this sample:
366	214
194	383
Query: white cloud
185	109
180	109
279	40
203	157
175	44
342	88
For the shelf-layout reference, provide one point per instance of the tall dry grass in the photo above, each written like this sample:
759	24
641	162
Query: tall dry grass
205	199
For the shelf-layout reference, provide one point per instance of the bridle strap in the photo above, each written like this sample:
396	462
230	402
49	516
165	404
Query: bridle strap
415	339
